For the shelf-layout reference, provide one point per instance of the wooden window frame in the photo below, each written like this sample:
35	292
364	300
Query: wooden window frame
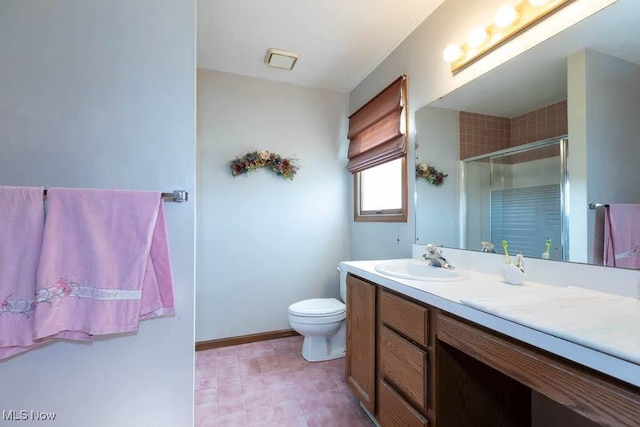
385	215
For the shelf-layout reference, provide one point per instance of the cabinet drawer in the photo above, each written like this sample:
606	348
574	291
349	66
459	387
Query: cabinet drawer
406	317
404	365
394	411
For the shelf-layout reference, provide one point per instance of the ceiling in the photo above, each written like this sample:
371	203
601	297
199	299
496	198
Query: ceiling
339	41
538	77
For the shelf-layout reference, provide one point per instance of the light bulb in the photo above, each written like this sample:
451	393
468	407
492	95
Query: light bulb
476	37
537	2
505	16
451	53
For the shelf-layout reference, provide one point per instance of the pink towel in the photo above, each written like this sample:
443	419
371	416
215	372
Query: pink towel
622	236
21	226
104	263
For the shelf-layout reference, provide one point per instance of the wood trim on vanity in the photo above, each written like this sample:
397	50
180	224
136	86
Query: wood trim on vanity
433	367
597	397
245	339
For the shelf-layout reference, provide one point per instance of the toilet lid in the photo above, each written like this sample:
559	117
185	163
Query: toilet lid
317	307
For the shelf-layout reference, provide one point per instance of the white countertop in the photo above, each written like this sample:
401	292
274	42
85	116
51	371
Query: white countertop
448	296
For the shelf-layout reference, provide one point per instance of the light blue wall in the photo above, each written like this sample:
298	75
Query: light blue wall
604	97
265	242
101	94
437	131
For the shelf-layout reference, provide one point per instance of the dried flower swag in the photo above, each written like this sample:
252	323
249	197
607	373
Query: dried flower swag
430	174
281	166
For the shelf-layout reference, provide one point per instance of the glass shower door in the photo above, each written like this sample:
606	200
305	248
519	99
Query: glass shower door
517	195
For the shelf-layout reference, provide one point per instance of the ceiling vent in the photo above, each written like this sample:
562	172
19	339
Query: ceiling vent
281	59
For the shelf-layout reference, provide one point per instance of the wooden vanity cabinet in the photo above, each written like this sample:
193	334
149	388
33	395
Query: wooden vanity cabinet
492	375
361	340
411	364
404	372
388	365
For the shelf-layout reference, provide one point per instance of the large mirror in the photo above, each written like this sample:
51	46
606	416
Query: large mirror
529	145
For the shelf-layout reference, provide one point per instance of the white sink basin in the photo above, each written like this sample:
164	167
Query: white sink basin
417	269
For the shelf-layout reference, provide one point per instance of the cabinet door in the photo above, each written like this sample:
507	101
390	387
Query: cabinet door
361	344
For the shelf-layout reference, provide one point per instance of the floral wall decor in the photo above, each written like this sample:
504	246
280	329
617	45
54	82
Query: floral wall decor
281	166
430	174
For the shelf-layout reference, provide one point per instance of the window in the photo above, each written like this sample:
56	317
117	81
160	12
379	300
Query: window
378	156
380	192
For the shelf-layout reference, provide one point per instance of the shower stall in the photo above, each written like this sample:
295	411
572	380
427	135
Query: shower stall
520	195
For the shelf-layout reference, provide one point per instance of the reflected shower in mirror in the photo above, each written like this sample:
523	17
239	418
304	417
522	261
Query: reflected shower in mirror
582	85
517	195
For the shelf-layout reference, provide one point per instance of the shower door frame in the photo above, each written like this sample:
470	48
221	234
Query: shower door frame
563	142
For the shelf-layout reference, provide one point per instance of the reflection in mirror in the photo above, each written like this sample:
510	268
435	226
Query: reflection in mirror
584	83
516	195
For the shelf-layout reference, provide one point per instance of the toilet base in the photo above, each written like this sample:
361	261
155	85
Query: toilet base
320	349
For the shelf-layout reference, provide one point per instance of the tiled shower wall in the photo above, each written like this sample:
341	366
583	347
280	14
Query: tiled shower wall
482	134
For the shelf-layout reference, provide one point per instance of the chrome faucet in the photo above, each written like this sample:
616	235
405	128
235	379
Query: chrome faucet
435	258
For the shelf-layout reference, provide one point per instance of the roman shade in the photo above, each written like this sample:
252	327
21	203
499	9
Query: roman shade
377	130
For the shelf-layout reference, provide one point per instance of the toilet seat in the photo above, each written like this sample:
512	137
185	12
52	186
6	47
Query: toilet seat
317	320
317	307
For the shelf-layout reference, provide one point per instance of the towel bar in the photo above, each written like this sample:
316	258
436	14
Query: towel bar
177	196
594	205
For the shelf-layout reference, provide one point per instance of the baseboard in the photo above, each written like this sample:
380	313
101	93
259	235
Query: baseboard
244	339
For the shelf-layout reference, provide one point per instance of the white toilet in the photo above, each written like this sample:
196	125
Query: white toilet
322	323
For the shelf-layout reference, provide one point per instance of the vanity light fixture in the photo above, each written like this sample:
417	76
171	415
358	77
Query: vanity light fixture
508	22
279	58
452	53
505	16
476	37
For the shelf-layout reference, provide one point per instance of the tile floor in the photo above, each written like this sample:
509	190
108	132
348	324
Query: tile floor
268	384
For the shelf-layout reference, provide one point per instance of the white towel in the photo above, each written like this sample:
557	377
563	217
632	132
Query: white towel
604	322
